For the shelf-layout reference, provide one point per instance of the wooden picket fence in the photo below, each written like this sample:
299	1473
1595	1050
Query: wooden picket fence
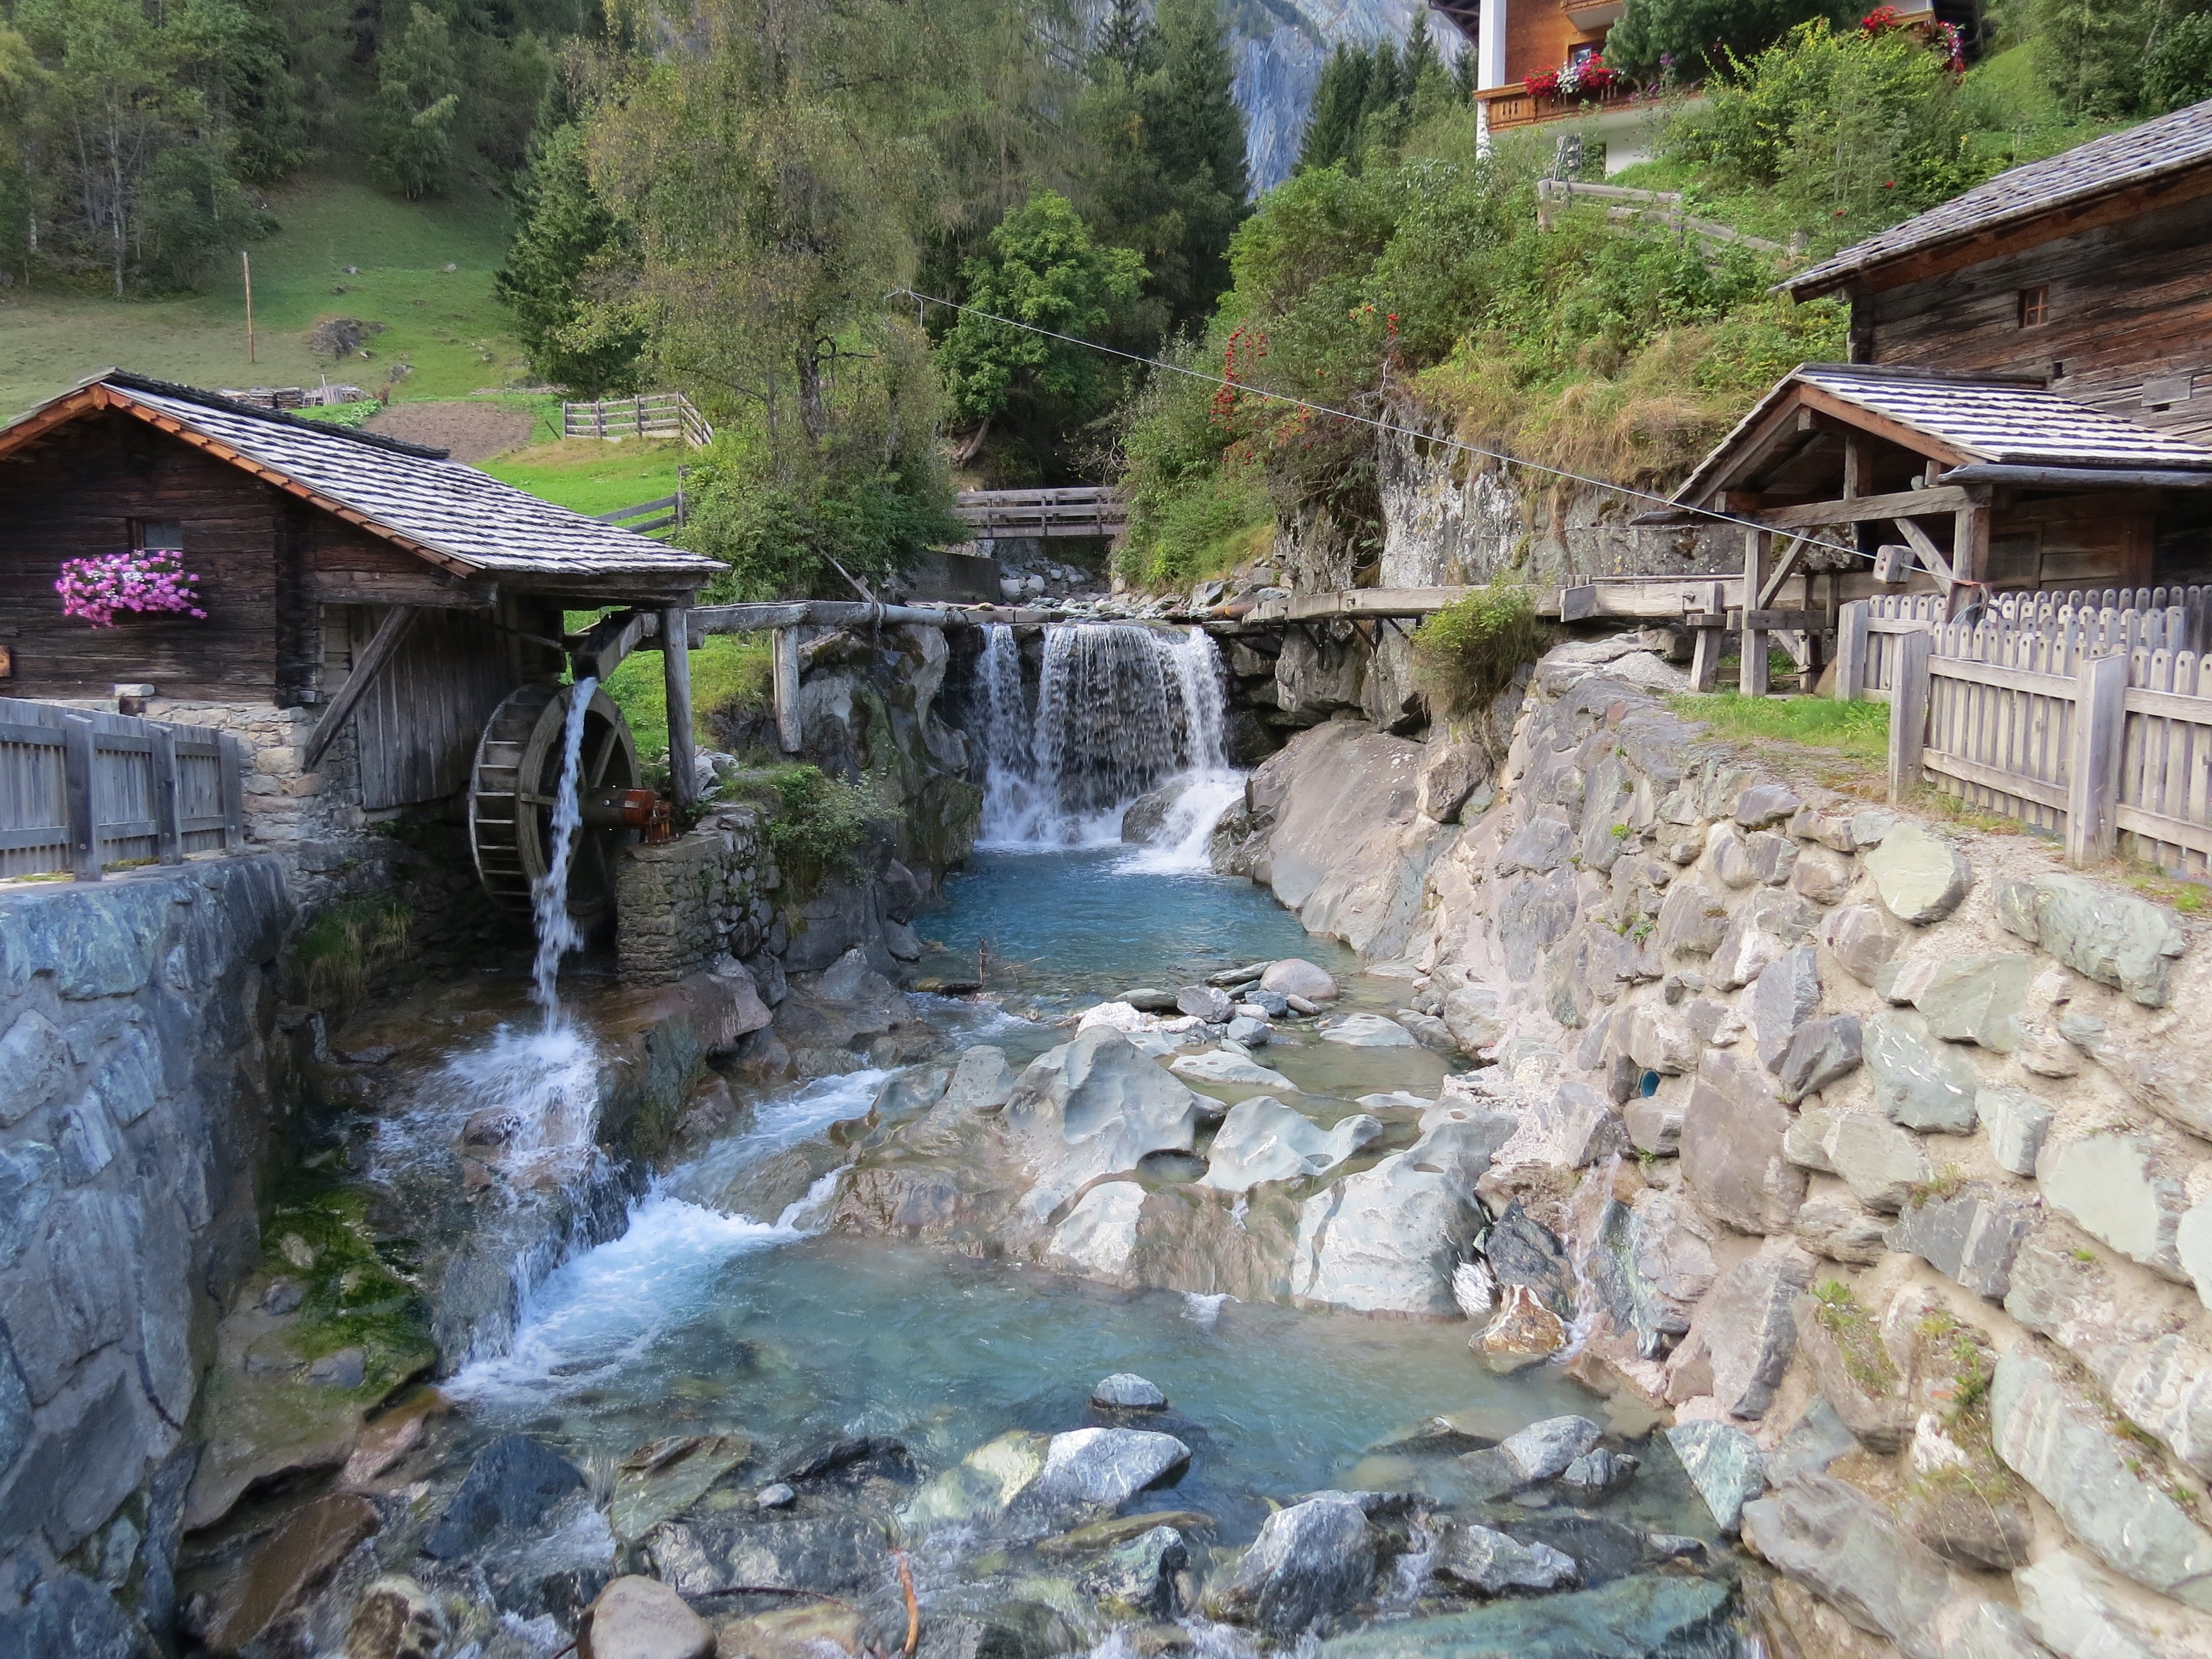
653	415
79	790
2071	712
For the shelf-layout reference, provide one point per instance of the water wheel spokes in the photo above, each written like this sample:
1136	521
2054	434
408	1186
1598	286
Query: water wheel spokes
515	783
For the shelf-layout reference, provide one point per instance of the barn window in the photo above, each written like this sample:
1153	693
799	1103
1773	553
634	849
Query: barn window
2035	307
157	536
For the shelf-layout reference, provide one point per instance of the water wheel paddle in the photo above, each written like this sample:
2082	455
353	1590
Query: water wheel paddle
511	789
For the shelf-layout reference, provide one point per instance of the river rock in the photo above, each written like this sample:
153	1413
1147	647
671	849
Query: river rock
2121	1189
1386	1240
1599	1473
1919	1081
1921	877
1125	1391
1095	1107
1842	1546
1477	1561
1251	1033
1294	976
1312	1561
1522	1250
636	1617
1541	1451
1099	1235
1863	938
1821	1052
395	1618
1103	1467
1641	1617
1880	1163
1785	996
1838	1226
661	1479
1272	1005
1204	1002
514	1481
286	1568
980	1083
831	1556
1262	1139
1749	1329
776	1495
2109	936
1369	1031
1724	1465
1731	1148
1150	999
1522	1333
2054	1437
1228	1068
1969	1235
1138	1578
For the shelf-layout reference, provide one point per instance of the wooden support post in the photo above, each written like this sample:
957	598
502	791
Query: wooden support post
231	769
676	676
1858	463
1851	651
2094	769
365	667
168	839
78	796
784	661
1751	675
1970	543
1908	712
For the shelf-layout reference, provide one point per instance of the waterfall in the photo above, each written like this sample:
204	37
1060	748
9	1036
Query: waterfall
549	896
1122	710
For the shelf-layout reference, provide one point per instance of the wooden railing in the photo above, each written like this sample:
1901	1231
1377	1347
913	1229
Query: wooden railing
1076	510
81	791
655	415
673	510
1516	107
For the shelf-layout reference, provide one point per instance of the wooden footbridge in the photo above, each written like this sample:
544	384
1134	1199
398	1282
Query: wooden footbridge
1003	514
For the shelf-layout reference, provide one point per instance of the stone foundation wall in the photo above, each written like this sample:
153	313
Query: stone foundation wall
1882	1148
137	1062
683	906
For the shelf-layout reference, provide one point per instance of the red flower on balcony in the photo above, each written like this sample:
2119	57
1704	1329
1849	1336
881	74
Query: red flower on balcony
1881	20
1545	84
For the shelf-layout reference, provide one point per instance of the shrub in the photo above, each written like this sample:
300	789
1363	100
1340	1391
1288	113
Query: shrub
1467	652
820	823
342	947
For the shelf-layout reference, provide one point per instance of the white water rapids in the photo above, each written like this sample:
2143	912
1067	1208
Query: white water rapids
1120	710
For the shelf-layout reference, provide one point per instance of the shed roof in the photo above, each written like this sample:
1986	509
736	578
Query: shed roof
1995	421
462	519
2172	144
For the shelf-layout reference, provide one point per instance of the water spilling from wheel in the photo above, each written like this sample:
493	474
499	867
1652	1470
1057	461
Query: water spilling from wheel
558	933
1118	711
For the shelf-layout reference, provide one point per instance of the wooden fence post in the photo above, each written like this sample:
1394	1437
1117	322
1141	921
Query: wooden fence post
1751	672
675	676
2100	712
1851	651
233	771
78	793
168	839
1908	712
785	660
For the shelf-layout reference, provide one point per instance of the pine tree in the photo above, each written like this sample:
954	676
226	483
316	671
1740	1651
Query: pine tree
1129	40
1339	109
562	230
418	99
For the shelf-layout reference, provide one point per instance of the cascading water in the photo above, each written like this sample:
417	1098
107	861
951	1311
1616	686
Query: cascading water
1122	710
548	896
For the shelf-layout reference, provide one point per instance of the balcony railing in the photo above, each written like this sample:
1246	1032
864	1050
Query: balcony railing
1516	107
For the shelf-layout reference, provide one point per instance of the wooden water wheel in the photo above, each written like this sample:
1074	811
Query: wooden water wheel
513	785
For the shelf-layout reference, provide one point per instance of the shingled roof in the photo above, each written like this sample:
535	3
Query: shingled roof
2170	144
1993	422
456	517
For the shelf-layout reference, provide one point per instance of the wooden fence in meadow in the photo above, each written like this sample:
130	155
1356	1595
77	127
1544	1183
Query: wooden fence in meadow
653	415
80	791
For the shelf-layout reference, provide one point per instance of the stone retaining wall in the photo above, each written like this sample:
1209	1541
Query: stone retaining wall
1912	1206
683	906
137	1059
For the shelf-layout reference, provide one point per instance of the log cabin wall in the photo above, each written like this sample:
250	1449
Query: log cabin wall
2129	309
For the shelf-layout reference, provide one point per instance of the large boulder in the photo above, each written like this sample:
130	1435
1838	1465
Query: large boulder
1091	1107
1921	877
1312	1561
1724	1465
1479	1562
1731	1148
1541	1451
1262	1139
286	1568
1294	976
514	1481
1841	1544
2082	1613
2110	937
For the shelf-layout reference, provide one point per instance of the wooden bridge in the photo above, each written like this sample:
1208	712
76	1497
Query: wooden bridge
1085	510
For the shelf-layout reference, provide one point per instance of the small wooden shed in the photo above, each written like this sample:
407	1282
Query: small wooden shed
370	603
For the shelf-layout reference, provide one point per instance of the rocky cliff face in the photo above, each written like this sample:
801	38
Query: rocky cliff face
1881	1154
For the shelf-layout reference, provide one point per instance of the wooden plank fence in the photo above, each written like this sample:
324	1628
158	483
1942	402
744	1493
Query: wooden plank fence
652	415
1071	510
80	790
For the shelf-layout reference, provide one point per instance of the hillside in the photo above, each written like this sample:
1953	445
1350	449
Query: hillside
441	327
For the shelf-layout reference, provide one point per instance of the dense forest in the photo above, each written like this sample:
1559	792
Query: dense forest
823	218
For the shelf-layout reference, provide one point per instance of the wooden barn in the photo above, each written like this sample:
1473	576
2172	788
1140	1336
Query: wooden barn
374	611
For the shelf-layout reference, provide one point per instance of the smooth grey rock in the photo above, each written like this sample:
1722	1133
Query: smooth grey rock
514	1481
1098	1235
1274	1004
1127	1391
1805	1141
1541	1451
1312	1561
1731	1148
1868	827
1693	922
1646	1616
1759	930
1841	1544
1227	1067
1204	1002
2016	1122
831	1556
1765	803
1599	1473
1475	1017
1294	976
1785	996
2082	1613
639	1618
1149	1000
1728	853
1252	1033
1971	1236
1821	1052
1479	1562
1094	1107
2118	1188
1262	1139
776	1495
1880	1163
1427	1029
1838	1226
1749	1329
1822	876
1977	999
1140	1575
2055	1439
980	1082
1920	876
1724	1465
1369	1031
1917	1081
2114	938
1863	938
1104	1466
1654	1122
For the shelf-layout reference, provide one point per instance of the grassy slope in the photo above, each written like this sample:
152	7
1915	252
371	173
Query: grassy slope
592	477
444	323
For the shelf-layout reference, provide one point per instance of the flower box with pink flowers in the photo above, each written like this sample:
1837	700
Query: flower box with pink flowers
100	589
